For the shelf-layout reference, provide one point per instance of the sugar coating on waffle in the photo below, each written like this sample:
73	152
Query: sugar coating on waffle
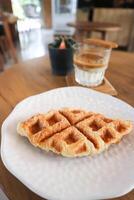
73	132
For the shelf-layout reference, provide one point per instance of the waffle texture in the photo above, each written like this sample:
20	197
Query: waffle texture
73	132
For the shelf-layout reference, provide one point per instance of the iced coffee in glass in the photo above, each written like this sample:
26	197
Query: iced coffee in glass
91	60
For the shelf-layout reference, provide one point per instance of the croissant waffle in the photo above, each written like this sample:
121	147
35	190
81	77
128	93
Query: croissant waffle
73	132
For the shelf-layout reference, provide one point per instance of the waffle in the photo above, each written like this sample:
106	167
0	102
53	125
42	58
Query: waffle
73	132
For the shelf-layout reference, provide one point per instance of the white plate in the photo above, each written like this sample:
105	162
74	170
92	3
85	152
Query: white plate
54	177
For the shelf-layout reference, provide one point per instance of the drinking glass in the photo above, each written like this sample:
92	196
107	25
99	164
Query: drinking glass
90	63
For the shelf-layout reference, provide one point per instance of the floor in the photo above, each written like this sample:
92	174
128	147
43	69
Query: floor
34	43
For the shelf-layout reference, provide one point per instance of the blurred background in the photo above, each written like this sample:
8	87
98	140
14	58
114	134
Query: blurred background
27	26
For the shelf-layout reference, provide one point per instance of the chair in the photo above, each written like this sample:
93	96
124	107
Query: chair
3	43
124	17
1	63
6	42
30	11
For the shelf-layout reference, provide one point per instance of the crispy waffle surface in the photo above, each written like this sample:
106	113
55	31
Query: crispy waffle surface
73	132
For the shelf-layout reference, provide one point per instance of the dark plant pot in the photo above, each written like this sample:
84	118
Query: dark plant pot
61	60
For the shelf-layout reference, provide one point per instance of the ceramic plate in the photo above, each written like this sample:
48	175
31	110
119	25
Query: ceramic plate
54	177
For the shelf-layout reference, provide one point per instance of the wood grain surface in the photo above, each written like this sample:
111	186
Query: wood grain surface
34	76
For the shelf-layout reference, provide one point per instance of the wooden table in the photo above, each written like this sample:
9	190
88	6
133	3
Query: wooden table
34	76
87	27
